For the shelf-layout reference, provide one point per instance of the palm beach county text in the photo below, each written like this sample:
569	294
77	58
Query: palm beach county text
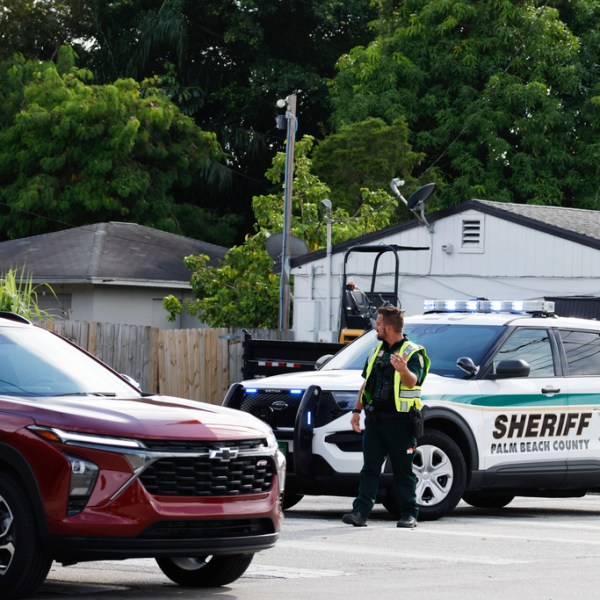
568	428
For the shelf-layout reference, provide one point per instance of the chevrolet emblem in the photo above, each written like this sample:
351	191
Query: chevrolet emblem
223	454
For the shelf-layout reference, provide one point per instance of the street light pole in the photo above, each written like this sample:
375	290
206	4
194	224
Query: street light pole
284	289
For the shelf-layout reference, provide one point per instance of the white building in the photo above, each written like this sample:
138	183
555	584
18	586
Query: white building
479	248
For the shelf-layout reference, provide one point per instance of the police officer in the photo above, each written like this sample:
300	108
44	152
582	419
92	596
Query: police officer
394	372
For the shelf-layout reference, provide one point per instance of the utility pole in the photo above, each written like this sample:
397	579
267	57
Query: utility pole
327	204
284	290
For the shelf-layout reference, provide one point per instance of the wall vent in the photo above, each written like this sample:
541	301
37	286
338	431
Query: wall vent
471	233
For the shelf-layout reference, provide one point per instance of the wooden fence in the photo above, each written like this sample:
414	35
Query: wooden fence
199	364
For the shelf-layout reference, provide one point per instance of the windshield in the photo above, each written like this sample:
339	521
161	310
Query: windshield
444	343
34	362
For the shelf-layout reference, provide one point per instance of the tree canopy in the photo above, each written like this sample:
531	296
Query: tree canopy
38	28
72	153
244	290
501	97
226	64
366	154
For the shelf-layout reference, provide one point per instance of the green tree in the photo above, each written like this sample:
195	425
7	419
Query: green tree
37	28
223	63
243	291
366	154
502	97
73	153
226	63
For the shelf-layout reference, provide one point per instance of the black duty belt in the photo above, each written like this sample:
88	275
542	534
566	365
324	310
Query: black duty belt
379	413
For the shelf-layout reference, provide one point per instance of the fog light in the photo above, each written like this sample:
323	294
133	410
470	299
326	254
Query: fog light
83	479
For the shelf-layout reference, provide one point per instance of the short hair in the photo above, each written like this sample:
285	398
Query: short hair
392	315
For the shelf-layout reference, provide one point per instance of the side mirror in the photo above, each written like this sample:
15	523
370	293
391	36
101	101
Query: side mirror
322	360
131	381
515	367
467	365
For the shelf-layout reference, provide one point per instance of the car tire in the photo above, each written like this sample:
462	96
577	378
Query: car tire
290	500
23	562
441	477
205	571
487	500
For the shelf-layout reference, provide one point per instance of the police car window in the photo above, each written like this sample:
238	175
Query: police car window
446	343
354	355
582	349
531	345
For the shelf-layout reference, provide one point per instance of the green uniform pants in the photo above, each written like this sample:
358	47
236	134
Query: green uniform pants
388	437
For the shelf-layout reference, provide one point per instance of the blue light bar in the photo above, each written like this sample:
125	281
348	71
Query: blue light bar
490	306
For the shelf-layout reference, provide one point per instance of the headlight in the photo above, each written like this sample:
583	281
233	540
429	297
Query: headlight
272	443
345	400
280	462
281	468
74	438
83	479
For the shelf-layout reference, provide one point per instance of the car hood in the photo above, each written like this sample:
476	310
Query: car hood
336	380
329	380
158	417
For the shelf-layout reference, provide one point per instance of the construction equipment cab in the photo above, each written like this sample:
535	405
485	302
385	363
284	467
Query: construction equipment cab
358	308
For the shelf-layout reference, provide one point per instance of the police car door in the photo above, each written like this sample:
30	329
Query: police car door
522	410
580	434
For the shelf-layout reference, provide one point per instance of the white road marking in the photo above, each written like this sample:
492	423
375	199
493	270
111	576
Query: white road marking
504	536
274	572
409	554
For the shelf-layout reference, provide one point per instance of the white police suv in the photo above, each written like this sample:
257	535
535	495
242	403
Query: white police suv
511	408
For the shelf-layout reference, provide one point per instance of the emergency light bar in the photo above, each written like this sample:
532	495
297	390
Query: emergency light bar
490	306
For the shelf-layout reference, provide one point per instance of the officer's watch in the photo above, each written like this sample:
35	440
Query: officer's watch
356	411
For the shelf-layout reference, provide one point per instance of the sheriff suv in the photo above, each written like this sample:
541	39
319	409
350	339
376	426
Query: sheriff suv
511	408
90	469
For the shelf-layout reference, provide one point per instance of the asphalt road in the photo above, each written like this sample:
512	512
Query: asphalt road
535	549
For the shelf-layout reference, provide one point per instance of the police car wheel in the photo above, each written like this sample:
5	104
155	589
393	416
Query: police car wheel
487	500
441	475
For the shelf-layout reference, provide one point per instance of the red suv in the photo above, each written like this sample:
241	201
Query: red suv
91	469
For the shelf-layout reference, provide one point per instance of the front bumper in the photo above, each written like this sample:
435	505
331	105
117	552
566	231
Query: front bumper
172	538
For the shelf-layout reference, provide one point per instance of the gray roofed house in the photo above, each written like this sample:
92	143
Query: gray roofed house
110	272
479	248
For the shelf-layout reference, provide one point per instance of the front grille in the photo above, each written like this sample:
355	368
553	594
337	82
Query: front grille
328	410
202	446
260	404
201	476
214	528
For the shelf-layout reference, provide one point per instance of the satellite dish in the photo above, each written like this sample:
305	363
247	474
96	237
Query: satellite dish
416	201
274	246
419	196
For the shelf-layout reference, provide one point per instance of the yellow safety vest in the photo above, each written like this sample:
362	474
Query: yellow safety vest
404	396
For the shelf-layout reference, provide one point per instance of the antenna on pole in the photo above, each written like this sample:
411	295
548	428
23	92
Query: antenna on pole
416	201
